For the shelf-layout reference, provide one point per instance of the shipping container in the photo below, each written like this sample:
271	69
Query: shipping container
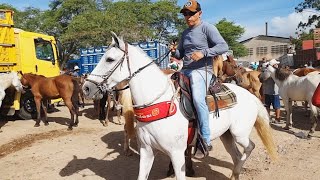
307	44
89	57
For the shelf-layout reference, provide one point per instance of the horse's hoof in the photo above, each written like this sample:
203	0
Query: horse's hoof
75	125
36	125
46	124
69	128
286	128
170	173
104	124
190	173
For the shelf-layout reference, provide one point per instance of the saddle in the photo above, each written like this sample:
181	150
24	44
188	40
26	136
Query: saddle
218	97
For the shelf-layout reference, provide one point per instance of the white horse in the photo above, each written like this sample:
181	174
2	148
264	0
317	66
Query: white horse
295	88
7	80
149	85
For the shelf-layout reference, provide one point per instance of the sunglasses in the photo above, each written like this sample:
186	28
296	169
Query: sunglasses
189	13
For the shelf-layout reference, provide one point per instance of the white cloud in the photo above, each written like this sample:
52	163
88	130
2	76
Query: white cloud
278	26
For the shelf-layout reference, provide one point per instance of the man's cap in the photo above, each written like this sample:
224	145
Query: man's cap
192	6
76	68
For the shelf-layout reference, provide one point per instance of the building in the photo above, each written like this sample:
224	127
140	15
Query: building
271	47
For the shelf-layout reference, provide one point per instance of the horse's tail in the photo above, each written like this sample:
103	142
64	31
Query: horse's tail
264	131
126	101
75	95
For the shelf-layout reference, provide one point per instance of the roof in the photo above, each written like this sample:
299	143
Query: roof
264	37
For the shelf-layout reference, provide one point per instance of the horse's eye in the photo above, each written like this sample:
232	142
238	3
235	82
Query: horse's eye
109	60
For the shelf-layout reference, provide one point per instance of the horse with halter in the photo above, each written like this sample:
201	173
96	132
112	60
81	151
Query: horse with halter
45	89
295	88
150	87
7	80
246	79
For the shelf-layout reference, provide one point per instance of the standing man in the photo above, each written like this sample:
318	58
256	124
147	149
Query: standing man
76	71
271	92
199	43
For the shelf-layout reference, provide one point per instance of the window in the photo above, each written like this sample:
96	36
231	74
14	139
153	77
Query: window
275	49
250	51
262	50
44	50
279	49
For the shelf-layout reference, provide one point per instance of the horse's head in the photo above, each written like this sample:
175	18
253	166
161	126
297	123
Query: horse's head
16	82
25	79
111	69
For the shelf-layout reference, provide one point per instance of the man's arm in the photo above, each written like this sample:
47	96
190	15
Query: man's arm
214	37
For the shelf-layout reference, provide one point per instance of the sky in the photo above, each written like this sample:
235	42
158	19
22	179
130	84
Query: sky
252	15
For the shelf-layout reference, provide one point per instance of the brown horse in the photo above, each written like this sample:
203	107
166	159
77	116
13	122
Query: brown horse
228	70
250	81
45	89
246	79
304	71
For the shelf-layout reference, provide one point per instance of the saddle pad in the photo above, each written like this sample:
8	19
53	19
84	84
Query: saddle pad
226	99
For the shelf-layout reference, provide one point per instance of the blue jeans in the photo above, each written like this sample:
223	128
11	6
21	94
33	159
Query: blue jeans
199	92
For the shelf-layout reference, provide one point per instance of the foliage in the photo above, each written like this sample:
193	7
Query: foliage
85	23
313	5
303	36
231	33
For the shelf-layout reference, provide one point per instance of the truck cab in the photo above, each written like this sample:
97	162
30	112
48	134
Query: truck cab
27	52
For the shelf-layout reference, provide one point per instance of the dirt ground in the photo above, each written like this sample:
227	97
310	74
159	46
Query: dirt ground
94	152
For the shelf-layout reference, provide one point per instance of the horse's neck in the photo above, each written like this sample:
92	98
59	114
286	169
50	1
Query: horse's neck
32	78
149	83
5	80
289	79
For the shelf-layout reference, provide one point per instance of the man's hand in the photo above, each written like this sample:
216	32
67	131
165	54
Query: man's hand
173	46
196	56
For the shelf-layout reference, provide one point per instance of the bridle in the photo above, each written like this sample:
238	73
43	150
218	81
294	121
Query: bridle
102	86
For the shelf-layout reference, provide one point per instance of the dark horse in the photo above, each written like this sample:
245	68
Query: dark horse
45	89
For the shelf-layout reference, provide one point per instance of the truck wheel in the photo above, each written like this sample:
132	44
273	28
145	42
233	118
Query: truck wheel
27	106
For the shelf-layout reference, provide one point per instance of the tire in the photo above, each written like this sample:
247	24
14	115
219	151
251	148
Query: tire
27	106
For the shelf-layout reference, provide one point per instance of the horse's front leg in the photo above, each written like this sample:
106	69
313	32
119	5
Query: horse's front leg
37	100
146	161
2	95
189	167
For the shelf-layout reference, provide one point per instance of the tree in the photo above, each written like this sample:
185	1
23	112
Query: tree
308	5
231	33
303	36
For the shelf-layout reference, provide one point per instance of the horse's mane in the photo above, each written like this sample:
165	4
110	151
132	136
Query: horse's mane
282	74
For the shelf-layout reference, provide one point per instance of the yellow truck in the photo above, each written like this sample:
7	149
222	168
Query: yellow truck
26	52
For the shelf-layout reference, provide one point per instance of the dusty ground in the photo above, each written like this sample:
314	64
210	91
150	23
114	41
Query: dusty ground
94	152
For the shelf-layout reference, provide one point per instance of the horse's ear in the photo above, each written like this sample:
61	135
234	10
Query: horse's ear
117	41
20	72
